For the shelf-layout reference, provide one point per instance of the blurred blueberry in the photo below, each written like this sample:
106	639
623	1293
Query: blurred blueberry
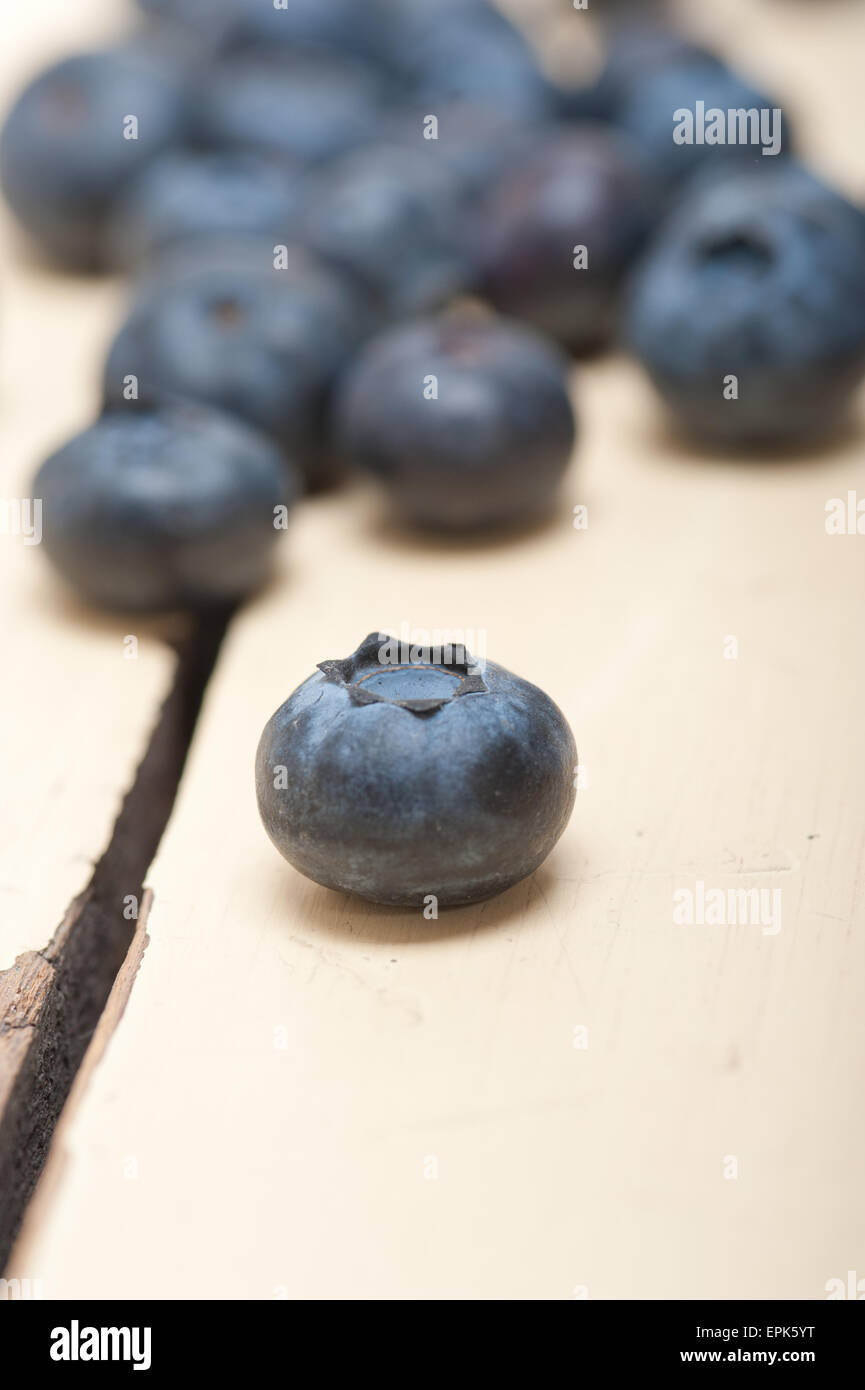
465	418
758	277
196	14
653	110
394	221
633	51
161	510
471	52
74	139
340	25
189	195
580	188
472	145
265	344
305	109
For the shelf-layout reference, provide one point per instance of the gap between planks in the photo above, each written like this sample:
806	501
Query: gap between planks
52	1000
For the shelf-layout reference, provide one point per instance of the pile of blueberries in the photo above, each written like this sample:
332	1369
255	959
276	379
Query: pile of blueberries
370	235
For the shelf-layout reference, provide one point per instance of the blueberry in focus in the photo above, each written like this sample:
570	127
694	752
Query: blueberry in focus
749	310
163	510
233	331
465	419
396	776
395	222
555	236
304	109
191	195
651	114
68	146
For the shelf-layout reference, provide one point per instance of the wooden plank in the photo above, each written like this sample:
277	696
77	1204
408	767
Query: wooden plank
291	1063
85	706
82	697
308	1097
79	700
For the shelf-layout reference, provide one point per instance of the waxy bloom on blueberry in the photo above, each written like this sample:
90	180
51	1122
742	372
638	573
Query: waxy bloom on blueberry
417	778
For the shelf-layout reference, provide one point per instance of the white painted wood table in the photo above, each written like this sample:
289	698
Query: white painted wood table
560	1093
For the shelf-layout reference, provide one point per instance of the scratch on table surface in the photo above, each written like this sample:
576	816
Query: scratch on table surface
410	1007
688	871
560	933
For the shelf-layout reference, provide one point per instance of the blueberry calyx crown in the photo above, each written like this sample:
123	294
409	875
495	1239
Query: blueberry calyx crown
378	673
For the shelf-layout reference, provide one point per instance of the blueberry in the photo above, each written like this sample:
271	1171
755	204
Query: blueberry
658	93
162	510
187	195
69	145
578	189
634	51
196	14
622	15
338	25
472	53
195	31
758	277
303	109
399	776
470	144
465	419
577	104
265	344
394	221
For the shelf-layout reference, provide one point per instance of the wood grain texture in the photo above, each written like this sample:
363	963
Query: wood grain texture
309	1097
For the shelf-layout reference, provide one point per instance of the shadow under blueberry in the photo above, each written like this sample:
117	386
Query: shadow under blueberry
168	628
171	628
34	259
345	917
680	447
389	529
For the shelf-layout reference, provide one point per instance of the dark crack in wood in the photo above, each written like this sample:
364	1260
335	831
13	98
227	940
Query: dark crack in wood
51	1000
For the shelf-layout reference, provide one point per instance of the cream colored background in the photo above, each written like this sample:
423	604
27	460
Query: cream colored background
206	1158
